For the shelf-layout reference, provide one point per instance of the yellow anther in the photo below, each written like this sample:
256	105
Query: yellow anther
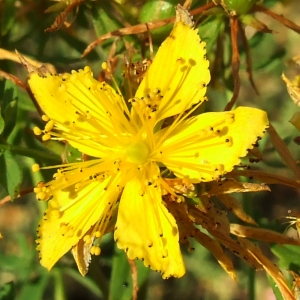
46	137
53	204
87	239
49	125
180	199
41	184
104	65
97	250
45	118
37	131
97	234
54	214
92	250
41	196
37	190
35	168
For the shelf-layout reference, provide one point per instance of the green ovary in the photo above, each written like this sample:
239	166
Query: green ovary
137	153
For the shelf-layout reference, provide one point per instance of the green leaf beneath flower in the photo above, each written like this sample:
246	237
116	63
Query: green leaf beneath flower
121	287
11	174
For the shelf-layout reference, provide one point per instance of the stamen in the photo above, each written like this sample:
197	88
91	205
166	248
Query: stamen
41	196
54	214
45	118
95	250
46	137
37	130
105	67
169	190
49	126
53	204
191	141
35	168
179	119
87	239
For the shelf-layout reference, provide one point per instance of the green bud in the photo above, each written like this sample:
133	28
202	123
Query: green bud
154	10
238	7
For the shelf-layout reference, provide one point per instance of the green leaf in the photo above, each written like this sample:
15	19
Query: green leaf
275	288
34	289
1	122
288	255
154	10
7	291
86	281
11	174
265	54
239	7
75	44
10	115
210	29
121	287
271	3
8	16
103	18
9	105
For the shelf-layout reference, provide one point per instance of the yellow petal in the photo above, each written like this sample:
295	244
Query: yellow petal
146	230
293	88
82	255
81	108
205	147
70	215
295	120
179	71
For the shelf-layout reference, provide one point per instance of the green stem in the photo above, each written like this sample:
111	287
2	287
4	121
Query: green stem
30	153
251	283
248	207
59	289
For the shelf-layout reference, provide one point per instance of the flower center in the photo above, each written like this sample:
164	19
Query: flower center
137	153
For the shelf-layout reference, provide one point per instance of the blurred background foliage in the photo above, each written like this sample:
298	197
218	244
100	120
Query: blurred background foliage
57	33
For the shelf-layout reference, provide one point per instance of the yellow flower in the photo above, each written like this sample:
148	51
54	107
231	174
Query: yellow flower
130	148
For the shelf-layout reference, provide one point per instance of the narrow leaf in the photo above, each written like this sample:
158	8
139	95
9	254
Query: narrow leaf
11	174
121	283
